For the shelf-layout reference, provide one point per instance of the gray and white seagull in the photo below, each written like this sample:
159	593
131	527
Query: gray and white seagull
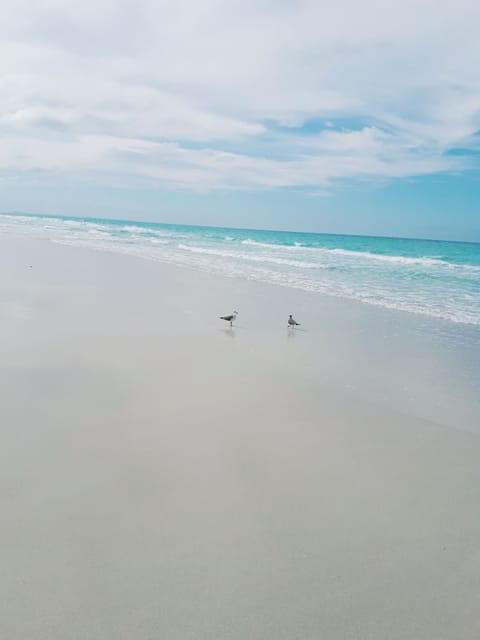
292	323
230	318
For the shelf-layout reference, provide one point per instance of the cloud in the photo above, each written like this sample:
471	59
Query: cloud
219	95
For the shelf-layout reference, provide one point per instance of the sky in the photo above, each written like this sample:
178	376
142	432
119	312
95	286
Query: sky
345	116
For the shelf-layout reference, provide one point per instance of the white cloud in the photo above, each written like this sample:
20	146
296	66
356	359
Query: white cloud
187	94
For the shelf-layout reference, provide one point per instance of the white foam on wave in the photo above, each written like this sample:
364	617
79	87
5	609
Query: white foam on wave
407	260
145	231
93	225
266	245
133	228
425	261
98	232
250	257
158	241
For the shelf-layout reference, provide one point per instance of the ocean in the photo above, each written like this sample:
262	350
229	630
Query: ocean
429	277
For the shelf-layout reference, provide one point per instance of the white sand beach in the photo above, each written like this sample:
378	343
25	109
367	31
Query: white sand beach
165	476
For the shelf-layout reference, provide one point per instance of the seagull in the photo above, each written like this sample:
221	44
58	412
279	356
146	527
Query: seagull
230	318
292	323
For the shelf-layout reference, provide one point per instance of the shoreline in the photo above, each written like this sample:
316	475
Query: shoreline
395	274
385	346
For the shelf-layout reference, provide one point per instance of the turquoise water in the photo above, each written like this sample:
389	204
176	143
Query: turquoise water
433	278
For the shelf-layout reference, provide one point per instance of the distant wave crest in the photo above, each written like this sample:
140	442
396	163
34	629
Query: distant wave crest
247	256
425	261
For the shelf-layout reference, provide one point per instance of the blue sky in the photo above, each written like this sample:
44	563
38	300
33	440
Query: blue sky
339	117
